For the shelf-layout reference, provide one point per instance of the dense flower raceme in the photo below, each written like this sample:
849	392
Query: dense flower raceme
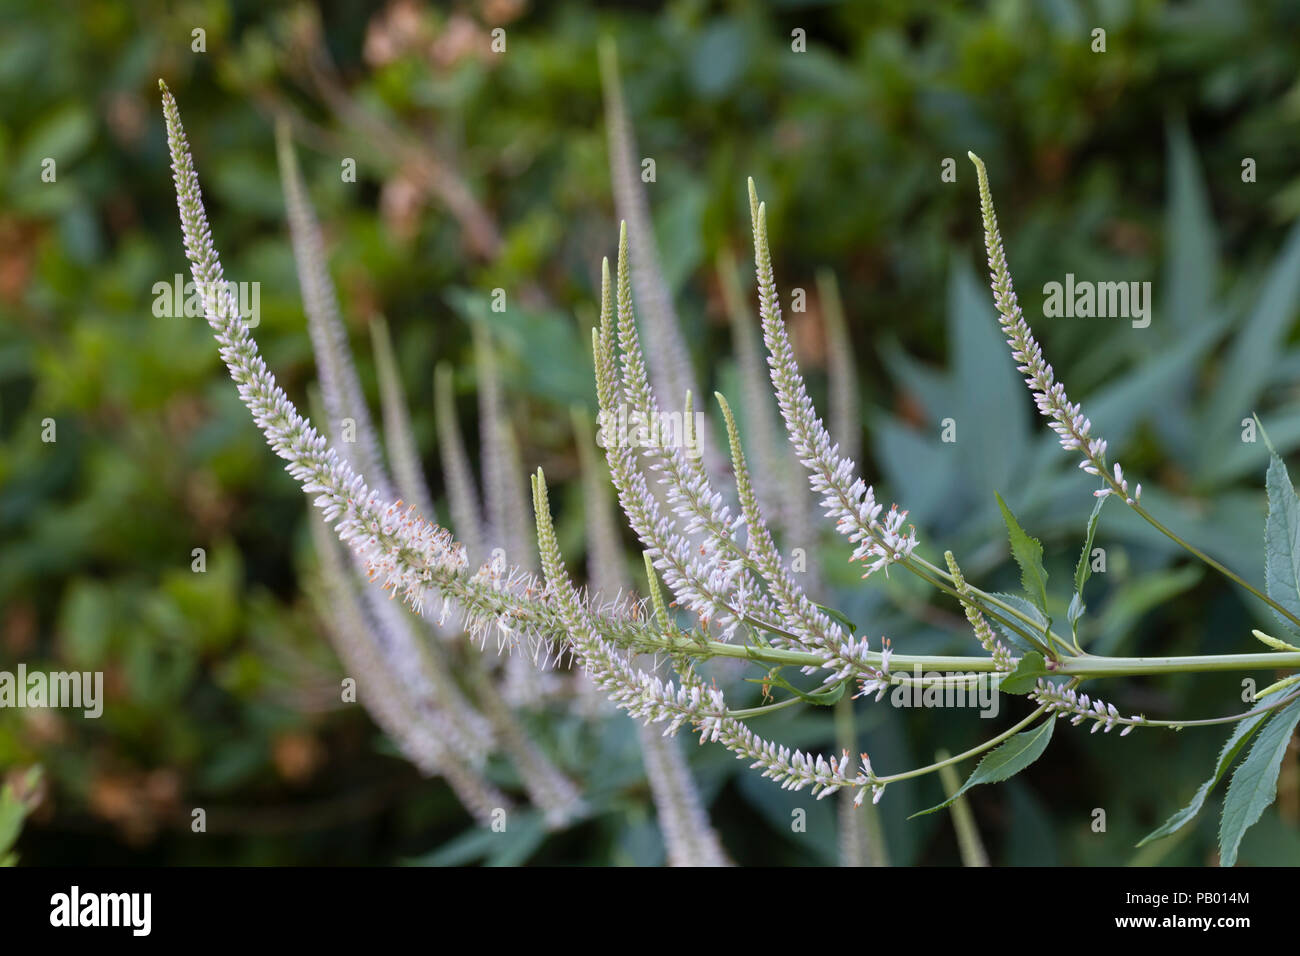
413	558
1066	419
1067	702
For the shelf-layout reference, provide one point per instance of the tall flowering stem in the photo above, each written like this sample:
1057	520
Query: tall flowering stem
413	558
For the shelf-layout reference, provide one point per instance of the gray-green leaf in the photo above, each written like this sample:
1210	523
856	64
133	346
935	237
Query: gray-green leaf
1006	761
1254	783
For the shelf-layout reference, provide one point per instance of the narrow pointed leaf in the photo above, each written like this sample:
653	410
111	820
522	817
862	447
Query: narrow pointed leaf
1028	553
1254	783
1006	761
1282	541
1241	735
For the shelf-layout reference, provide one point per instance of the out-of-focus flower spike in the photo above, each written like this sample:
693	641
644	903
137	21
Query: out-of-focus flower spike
671	369
340	386
420	667
398	435
604	547
549	790
504	504
422	737
466	514
771	469
508	525
688	836
842	379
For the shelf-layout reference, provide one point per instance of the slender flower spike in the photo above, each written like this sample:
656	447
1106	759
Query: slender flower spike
1067	702
979	624
1068	421
849	500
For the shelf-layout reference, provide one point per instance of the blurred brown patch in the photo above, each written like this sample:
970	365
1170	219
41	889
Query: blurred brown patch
18	630
401	202
808	335
296	756
18	241
137	803
498	12
460	39
395	30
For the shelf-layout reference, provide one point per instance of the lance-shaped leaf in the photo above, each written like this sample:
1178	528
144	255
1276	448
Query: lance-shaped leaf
1282	541
1241	735
1254	783
1006	761
1028	553
1083	570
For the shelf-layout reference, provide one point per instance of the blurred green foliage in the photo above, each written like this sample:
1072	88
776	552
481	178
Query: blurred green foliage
479	170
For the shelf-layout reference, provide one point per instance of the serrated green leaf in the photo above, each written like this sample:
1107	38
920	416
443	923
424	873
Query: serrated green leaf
1083	570
1254	783
1282	541
1024	607
1241	735
1025	675
1028	553
1006	761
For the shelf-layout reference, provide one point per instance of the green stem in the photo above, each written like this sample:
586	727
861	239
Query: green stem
1088	666
1192	549
1212	721
973	752
749	712
678	641
861	843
